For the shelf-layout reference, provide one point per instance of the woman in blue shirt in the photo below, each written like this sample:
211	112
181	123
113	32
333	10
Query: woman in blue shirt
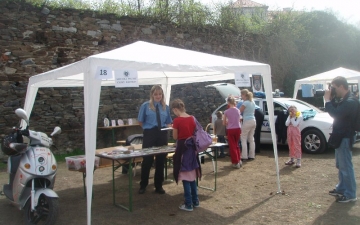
249	124
154	115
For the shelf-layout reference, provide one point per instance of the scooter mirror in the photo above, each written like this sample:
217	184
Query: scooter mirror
22	114
57	130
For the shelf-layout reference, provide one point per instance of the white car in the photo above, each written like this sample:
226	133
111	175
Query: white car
315	131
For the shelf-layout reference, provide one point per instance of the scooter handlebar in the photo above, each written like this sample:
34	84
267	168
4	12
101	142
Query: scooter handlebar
25	132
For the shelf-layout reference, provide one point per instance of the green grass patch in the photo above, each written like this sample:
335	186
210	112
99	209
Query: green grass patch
61	157
3	165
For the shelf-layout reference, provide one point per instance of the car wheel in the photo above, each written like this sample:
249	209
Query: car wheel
313	141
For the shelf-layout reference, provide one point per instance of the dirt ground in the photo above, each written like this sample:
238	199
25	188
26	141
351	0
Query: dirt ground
243	196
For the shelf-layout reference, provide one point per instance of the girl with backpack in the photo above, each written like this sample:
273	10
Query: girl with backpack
186	161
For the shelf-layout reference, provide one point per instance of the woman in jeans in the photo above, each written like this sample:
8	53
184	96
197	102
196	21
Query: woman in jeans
248	125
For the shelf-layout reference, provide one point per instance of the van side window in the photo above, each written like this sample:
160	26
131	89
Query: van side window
277	108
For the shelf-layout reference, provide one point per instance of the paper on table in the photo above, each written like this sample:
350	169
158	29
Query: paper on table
121	148
167	128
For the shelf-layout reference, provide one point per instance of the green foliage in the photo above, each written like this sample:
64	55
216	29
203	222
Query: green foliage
61	157
3	165
235	19
60	3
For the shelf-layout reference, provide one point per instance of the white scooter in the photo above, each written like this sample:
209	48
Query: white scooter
32	169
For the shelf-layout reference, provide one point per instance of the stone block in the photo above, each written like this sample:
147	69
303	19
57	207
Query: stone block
146	30
9	70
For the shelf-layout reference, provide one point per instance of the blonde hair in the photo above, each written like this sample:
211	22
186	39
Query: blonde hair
231	100
292	106
152	91
249	95
178	104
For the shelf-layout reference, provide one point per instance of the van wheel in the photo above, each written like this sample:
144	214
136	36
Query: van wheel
313	141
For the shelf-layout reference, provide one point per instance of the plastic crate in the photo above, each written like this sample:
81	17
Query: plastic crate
78	162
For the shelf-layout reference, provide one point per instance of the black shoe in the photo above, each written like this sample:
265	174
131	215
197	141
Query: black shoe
221	156
142	190
250	159
160	190
334	192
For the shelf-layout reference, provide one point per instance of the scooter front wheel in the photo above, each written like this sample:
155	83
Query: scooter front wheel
45	212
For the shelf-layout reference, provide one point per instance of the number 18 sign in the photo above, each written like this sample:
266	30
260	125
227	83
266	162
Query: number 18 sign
103	73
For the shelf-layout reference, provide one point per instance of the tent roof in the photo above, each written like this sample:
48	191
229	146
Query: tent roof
154	63
329	75
352	76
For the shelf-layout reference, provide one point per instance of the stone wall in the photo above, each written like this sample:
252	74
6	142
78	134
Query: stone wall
34	40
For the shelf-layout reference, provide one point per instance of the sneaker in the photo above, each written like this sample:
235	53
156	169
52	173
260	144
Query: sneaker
344	199
238	166
290	162
186	208
334	193
196	204
298	165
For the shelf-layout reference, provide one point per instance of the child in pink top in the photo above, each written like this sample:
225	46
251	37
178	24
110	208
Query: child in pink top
233	130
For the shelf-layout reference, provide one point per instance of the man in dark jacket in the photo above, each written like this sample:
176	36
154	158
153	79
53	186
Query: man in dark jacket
342	106
259	117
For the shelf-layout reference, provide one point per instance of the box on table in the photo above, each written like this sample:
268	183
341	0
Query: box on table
78	162
105	162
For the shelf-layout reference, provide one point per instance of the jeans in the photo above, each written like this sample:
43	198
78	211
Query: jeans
190	192
343	160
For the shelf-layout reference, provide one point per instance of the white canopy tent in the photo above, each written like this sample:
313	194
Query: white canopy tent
325	78
155	64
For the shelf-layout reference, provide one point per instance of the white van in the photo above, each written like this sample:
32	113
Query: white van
315	130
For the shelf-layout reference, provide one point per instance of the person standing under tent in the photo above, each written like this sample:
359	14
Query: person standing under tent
186	161
294	136
342	106
259	118
233	129
248	126
154	115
